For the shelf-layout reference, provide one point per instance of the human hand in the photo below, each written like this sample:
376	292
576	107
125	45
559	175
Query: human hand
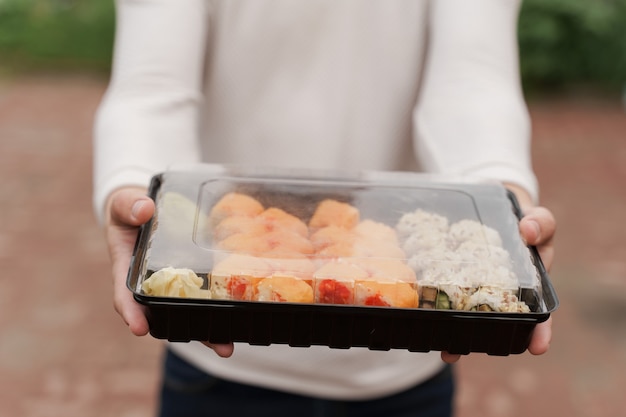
126	210
537	228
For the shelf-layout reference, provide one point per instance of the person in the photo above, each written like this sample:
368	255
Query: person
429	86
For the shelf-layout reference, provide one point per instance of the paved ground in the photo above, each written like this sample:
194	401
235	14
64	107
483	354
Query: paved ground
64	352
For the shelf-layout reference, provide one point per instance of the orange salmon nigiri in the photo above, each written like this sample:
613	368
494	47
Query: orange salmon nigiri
332	212
276	218
235	204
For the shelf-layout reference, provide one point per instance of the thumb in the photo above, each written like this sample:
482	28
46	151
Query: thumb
537	226
130	207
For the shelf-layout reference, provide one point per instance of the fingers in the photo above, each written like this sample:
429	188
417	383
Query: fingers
539	343
131	312
541	338
537	228
449	357
127	209
223	350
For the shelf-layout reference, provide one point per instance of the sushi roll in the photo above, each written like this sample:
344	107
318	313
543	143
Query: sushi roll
397	294
280	288
334	282
236	277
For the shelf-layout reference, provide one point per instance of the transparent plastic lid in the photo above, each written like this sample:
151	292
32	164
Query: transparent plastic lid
398	240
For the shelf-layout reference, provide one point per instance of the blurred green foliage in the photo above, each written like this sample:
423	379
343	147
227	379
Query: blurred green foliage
566	43
563	43
56	35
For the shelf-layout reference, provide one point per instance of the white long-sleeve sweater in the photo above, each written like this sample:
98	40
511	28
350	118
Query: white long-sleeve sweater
331	84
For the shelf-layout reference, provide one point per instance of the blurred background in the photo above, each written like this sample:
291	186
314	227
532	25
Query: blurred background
64	351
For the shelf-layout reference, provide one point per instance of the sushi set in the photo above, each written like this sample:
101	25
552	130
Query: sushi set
381	260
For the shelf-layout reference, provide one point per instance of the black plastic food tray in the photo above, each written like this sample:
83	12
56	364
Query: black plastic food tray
338	326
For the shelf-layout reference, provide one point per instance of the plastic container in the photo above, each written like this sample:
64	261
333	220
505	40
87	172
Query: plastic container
372	259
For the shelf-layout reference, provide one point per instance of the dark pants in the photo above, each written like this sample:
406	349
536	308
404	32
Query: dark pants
189	392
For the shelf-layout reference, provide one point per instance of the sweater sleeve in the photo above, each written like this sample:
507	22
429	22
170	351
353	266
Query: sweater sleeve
471	118
148	118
